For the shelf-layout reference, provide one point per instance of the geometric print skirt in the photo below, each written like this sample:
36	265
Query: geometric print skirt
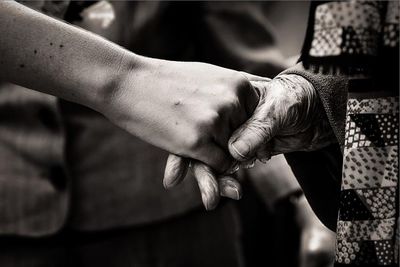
367	227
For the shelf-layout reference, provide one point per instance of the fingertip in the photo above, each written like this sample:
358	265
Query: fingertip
210	202
208	185
175	171
233	168
210	195
239	150
248	164
230	187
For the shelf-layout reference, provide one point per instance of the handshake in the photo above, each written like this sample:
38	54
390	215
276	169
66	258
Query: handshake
213	120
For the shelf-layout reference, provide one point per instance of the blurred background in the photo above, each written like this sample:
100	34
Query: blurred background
109	207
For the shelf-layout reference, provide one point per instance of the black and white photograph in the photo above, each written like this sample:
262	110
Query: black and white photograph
199	133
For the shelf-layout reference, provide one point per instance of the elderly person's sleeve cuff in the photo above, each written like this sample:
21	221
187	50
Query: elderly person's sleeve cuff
332	90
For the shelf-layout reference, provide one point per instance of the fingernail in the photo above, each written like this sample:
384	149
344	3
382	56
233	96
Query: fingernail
169	183
241	148
249	164
165	184
205	202
231	192
208	205
263	160
210	202
238	196
234	168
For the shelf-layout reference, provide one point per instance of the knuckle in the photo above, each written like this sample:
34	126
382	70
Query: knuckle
233	99
208	120
212	117
261	129
241	84
231	102
194	141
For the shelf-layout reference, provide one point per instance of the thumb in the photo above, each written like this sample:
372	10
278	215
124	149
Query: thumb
254	134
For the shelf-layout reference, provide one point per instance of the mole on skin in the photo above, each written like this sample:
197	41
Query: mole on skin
22	66
61	46
177	103
35	51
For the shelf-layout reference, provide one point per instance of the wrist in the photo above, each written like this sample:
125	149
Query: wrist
118	79
306	105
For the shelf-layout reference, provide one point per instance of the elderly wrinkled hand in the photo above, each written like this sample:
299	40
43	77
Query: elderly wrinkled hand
289	117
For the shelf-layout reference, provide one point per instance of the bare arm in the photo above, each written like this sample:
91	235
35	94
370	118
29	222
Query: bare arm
178	106
50	56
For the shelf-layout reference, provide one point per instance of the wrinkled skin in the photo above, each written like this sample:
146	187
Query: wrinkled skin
289	117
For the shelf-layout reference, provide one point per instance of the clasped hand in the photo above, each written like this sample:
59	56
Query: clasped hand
288	117
213	119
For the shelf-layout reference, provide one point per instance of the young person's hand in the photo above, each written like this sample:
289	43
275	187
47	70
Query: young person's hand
189	109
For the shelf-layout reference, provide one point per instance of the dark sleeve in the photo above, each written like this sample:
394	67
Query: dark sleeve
332	90
238	35
319	172
319	175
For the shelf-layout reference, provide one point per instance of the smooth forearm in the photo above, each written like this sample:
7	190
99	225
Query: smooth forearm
53	57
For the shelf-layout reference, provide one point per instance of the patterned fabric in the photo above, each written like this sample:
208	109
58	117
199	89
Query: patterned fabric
379	105
366	230
357	172
345	28
391	27
371	130
367	210
356	253
361	39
